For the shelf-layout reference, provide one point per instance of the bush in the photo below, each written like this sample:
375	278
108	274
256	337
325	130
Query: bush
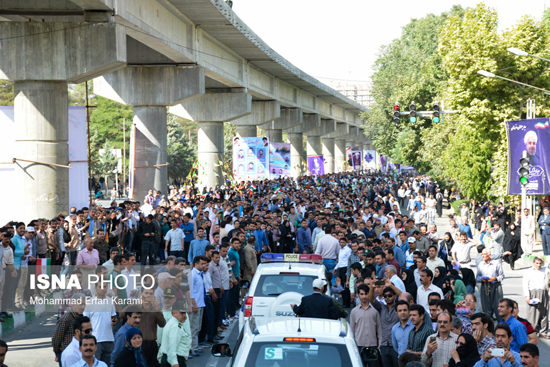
457	203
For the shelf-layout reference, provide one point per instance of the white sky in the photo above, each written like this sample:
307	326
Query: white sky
340	39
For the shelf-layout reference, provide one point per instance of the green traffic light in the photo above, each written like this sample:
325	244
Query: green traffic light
435	119
523	180
412	119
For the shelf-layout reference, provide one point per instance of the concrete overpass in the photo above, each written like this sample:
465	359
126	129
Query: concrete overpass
194	56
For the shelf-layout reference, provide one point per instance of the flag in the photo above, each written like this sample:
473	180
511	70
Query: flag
278	190
43	266
540	125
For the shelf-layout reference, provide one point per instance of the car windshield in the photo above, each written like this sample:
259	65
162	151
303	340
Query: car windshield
297	355
276	284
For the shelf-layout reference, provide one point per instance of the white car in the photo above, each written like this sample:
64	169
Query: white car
297	342
280	280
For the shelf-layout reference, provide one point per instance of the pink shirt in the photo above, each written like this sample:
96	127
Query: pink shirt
86	257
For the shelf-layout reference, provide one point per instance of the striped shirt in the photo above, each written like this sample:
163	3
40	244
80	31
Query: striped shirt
443	352
417	339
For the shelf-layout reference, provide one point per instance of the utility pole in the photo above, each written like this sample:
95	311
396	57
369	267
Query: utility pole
124	156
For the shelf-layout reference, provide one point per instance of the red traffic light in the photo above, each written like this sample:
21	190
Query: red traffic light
396	107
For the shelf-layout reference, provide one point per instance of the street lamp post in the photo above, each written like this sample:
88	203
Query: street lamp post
491	75
518	52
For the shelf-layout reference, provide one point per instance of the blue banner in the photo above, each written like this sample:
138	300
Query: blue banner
533	137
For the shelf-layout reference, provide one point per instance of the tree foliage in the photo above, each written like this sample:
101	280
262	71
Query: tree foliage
107	161
437	59
180	154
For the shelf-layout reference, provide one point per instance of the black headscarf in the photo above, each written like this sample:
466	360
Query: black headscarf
438	281
410	283
468	277
468	352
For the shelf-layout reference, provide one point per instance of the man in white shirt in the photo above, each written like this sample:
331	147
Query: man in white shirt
433	261
328	247
527	232
343	258
175	239
71	354
535	291
426	287
129	273
102	314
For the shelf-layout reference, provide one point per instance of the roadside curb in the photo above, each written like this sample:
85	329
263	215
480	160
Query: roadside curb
20	320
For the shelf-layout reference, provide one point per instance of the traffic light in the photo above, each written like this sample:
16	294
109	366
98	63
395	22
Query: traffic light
412	113
396	114
435	116
524	171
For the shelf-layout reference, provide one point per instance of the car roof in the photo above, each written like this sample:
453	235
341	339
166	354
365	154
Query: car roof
310	327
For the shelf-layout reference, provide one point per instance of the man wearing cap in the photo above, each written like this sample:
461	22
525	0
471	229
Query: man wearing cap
409	257
165	281
316	305
176	338
544	223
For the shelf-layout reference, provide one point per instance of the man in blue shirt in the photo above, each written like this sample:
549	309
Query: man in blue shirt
233	254
303	238
503	339
261	239
400	331
188	231
197	246
465	227
518	330
198	300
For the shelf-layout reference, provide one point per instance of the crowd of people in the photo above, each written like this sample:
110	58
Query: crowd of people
375	231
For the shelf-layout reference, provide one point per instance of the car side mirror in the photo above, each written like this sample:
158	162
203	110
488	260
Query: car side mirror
221	350
369	355
244	284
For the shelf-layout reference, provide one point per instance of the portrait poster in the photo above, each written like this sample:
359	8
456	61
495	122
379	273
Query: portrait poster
369	159
279	160
250	158
383	162
354	157
533	137
316	165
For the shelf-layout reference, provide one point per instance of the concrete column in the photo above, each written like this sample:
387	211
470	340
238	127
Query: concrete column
210	111
339	155
274	135
314	146
42	118
210	152
246	131
151	149
328	154
296	153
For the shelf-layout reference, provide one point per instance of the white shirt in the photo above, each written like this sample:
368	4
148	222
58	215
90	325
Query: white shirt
398	283
328	247
71	354
422	295
7	258
131	281
224	273
175	236
100	312
343	257
534	279
432	264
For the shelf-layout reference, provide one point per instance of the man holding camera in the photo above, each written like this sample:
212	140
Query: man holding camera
497	357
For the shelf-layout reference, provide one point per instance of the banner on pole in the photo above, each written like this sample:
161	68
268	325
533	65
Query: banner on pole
353	153
533	137
369	159
383	162
250	158
316	165
279	160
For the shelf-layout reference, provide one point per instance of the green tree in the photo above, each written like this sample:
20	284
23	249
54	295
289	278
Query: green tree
106	163
468	44
180	155
6	93
408	69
